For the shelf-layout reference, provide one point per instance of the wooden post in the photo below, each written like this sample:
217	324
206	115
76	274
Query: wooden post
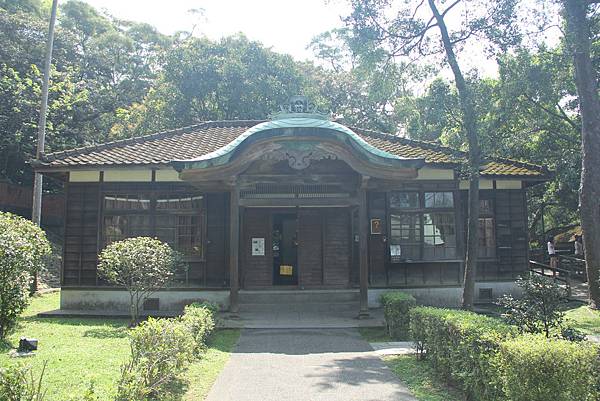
363	249
234	246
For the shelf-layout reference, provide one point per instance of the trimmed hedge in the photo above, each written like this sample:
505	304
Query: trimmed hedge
535	368
161	350
492	362
462	346
396	306
199	318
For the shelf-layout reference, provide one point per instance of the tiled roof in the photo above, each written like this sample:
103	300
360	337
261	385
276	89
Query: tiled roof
197	140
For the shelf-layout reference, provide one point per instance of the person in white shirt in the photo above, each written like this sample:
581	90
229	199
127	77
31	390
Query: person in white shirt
552	253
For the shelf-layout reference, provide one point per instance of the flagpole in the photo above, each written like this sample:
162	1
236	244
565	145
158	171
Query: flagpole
36	213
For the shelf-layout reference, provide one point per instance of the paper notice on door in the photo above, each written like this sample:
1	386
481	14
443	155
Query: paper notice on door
286	270
258	247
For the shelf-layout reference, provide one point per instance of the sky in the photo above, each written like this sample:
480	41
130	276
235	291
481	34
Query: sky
286	26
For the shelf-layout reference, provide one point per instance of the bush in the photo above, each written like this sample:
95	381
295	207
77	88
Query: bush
142	265
160	352
199	319
23	251
17	383
539	308
396	306
461	346
534	368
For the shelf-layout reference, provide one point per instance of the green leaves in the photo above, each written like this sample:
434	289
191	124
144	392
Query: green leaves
539	310
23	251
141	265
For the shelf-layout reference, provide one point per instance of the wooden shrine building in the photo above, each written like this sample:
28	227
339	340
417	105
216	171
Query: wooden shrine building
296	203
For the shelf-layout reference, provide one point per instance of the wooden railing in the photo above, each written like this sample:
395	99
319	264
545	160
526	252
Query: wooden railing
575	266
557	273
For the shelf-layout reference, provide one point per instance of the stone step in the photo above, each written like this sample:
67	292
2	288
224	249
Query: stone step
329	307
298	297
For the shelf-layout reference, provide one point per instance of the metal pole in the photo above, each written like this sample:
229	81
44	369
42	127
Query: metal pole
36	213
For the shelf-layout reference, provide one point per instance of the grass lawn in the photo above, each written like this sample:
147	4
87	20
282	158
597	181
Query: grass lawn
203	373
585	319
422	380
82	350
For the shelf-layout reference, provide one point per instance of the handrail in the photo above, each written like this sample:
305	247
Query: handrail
548	267
534	264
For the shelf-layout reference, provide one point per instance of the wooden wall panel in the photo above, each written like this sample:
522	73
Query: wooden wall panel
337	248
81	235
257	271
217	233
310	247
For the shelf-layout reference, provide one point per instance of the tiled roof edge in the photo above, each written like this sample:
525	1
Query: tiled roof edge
49	157
449	150
414	142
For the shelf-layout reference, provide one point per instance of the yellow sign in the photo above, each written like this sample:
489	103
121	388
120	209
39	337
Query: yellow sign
285	270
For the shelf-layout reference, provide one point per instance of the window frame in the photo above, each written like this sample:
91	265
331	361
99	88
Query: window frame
488	214
153	212
420	212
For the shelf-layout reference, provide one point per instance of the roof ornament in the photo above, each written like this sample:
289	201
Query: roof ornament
299	107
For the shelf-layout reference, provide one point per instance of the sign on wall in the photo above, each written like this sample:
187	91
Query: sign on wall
375	226
258	247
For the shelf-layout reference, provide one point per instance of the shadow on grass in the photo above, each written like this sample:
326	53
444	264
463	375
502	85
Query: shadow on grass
5	346
77	321
106	332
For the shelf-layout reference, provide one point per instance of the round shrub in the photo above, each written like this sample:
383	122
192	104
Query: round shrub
23	252
142	265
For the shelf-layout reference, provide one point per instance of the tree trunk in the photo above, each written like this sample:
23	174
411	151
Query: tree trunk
132	309
470	125
578	41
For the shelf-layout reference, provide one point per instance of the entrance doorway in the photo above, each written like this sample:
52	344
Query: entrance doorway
285	248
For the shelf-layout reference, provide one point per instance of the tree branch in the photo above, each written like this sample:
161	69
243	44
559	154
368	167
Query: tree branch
562	115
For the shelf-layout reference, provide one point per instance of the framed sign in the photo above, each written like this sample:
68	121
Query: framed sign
258	247
375	226
286	270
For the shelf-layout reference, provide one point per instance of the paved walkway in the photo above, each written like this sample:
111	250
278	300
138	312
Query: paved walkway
306	365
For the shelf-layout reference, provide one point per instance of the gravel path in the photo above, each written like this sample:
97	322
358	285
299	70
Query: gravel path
306	365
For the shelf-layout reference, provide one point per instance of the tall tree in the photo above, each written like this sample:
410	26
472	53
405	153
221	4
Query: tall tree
408	28
577	15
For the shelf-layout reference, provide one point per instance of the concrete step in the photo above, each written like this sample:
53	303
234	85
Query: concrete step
329	307
302	297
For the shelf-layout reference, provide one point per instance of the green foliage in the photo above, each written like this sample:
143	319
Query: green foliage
462	347
23	252
199	319
142	265
534	368
396	307
18	383
160	351
539	309
100	64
